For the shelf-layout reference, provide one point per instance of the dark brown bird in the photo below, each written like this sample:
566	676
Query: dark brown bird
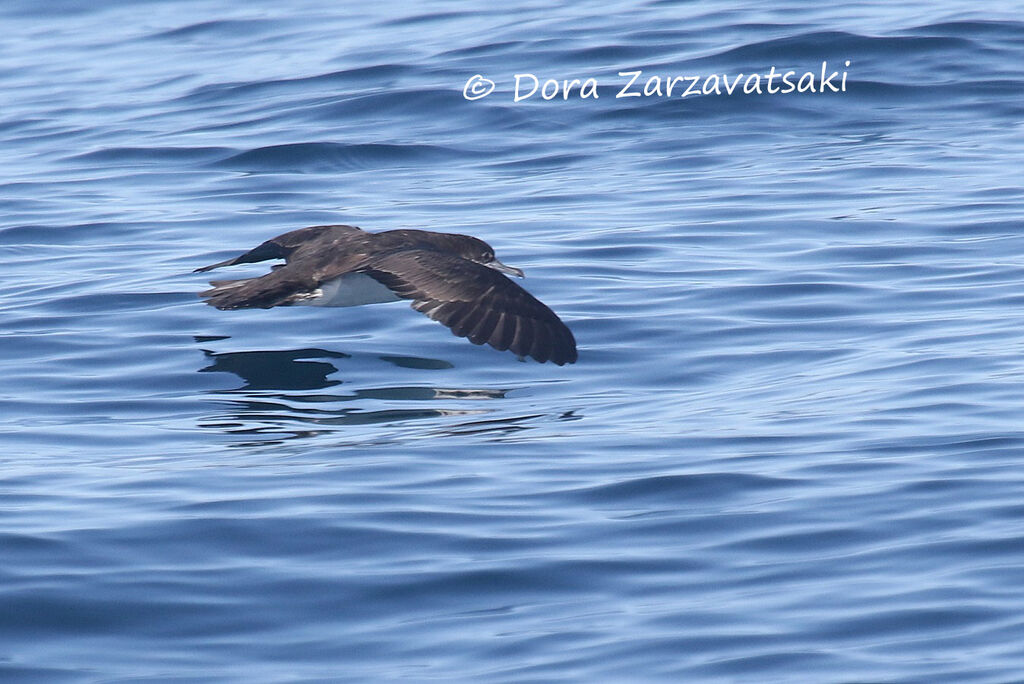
453	279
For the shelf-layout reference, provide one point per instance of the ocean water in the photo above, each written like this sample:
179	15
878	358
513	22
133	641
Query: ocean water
791	449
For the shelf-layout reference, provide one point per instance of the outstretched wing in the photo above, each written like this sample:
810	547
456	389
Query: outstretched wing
294	243
476	302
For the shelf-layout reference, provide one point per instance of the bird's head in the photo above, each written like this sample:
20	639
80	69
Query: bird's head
482	253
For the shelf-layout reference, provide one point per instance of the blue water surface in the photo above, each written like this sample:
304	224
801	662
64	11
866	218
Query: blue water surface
791	449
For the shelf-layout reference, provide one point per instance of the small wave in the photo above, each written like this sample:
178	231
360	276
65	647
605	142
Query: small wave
333	82
811	47
149	154
685	487
221	28
328	156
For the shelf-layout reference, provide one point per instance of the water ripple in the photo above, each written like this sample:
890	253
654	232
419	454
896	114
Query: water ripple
789	450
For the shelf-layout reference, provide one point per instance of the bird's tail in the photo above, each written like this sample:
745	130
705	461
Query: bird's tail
225	294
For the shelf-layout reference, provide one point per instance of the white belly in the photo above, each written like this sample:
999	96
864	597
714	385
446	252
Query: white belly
352	289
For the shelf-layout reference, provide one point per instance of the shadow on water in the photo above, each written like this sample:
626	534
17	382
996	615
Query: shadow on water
279	398
290	370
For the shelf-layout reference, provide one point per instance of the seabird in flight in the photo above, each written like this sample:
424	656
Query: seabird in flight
453	279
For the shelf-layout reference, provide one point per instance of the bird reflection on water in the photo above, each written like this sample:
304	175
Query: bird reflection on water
278	400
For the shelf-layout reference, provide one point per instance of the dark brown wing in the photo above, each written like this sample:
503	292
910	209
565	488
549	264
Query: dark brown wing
476	302
288	245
